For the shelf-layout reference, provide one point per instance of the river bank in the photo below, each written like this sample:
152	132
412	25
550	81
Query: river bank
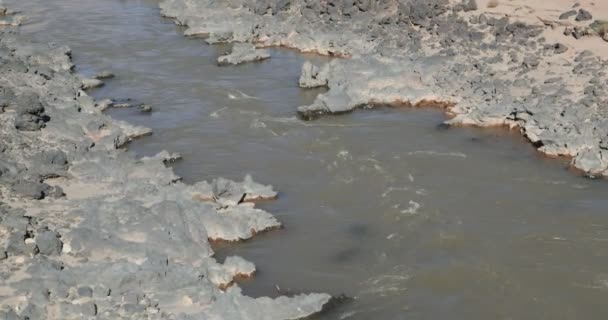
488	66
407	216
89	230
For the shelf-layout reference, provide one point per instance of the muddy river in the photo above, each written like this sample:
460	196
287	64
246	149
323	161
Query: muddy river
412	220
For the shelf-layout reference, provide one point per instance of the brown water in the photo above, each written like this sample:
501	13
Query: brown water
413	221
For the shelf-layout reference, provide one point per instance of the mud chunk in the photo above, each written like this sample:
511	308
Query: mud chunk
48	243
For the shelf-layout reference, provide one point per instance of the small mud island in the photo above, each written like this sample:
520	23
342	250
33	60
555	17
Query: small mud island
536	66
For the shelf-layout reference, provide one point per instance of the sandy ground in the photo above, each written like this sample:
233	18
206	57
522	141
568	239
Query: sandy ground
537	11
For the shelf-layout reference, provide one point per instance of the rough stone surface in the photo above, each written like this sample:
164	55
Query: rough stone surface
583	15
484	70
566	15
471	5
106	74
89	230
312	77
243	52
48	243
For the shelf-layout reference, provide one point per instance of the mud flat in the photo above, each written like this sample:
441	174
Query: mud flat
88	230
528	65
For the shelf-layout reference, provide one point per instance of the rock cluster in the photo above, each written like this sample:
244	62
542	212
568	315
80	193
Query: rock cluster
243	52
486	70
88	230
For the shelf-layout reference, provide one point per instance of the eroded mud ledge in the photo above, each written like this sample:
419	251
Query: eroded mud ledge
495	70
88	230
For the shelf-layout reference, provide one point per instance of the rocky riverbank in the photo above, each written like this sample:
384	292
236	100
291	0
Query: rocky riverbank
527	65
89	230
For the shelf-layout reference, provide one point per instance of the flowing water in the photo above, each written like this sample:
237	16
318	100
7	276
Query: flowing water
411	220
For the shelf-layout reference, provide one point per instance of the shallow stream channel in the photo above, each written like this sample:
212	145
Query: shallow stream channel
410	219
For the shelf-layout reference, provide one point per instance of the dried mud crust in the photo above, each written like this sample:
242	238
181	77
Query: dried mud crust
508	65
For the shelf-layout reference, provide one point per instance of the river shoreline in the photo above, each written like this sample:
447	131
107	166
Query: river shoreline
90	230
495	67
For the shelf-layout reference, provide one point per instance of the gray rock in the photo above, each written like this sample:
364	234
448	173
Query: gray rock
243	52
566	15
101	292
69	310
590	161
87	84
16	243
104	75
30	189
583	15
85	292
104	104
48	243
312	77
122	105
9	315
560	48
28	122
531	62
55	192
144	108
30	113
471	5
579	32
